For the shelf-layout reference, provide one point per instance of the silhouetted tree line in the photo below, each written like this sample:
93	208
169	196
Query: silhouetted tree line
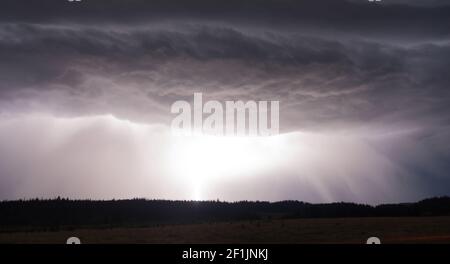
60	213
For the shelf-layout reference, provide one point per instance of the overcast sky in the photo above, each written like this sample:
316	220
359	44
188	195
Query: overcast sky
86	90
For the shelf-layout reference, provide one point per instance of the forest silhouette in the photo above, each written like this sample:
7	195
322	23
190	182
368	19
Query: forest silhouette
60	213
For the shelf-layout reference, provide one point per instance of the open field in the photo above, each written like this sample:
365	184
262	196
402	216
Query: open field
337	230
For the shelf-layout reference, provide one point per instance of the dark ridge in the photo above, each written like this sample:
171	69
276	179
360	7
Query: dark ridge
56	214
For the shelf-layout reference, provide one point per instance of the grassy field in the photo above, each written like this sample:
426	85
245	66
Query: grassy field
341	230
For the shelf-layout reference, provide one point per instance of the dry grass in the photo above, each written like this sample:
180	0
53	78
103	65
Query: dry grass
343	230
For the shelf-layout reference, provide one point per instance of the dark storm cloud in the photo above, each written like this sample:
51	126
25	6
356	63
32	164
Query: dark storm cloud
313	74
427	3
358	16
378	73
161	59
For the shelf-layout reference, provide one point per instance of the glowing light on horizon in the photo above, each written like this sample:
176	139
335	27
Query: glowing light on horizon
203	160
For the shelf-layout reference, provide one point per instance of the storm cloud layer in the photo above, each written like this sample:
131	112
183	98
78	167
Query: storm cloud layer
363	90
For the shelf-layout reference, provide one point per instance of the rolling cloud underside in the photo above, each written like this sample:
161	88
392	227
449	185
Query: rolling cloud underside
311	75
379	76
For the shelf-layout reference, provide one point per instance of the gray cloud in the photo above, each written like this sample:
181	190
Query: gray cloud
375	73
142	71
